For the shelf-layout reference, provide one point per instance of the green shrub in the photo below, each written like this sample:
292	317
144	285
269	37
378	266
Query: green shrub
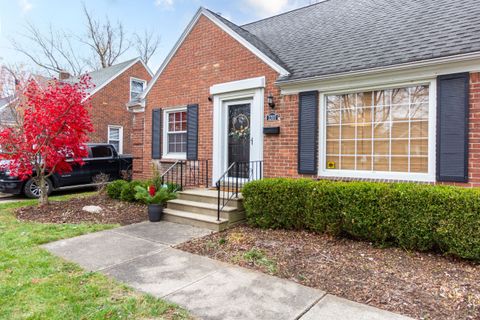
128	191
161	196
277	203
114	189
411	216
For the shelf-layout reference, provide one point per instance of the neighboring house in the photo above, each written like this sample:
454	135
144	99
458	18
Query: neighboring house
360	89
114	87
7	112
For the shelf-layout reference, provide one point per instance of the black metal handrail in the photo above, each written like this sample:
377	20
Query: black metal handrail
229	184
187	174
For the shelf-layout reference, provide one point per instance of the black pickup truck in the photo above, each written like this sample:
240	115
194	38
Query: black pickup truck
102	159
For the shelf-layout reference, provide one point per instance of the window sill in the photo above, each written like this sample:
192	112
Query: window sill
386	180
172	158
379	177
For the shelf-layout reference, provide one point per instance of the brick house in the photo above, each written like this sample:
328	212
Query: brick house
7	114
114	87
342	89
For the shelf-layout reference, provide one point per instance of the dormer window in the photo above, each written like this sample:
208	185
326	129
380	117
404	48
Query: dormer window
136	87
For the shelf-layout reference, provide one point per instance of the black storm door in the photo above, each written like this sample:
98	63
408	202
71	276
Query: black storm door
239	139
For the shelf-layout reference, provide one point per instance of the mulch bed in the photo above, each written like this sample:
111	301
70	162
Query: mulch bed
420	285
113	211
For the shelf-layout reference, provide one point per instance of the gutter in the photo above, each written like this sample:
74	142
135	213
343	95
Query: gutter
397	67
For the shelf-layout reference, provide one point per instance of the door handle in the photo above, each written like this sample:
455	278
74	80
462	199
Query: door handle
251	141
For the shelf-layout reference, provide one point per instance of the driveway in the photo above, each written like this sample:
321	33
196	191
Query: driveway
141	256
7	198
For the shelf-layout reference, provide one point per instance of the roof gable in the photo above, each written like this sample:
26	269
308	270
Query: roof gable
101	78
243	37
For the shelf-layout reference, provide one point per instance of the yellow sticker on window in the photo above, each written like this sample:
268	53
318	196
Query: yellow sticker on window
331	165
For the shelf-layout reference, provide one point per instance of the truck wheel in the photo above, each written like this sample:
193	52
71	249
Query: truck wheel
32	190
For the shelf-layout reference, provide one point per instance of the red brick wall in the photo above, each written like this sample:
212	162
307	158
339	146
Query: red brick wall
108	106
210	56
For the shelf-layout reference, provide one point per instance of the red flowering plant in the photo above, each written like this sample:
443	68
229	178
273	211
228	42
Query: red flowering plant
52	134
150	194
152	190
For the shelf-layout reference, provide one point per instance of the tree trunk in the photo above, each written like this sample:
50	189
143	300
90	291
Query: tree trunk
43	200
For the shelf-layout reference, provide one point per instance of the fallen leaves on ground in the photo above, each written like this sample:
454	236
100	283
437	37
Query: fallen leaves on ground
113	211
420	285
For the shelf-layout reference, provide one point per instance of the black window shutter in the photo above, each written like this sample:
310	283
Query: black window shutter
156	133
308	132
192	132
452	127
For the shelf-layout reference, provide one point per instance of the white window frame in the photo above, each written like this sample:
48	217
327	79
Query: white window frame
165	153
110	127
432	123
139	80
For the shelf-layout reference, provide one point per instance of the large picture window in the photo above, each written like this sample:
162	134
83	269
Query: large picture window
378	131
176	133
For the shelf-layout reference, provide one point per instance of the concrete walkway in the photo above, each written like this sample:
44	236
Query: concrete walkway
141	256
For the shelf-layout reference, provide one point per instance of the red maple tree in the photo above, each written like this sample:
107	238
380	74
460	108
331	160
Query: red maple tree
52	135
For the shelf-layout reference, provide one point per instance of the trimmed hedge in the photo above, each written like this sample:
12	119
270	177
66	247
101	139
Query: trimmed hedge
412	216
114	189
128	191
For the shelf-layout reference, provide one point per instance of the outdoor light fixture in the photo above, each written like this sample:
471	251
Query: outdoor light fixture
270	101
210	98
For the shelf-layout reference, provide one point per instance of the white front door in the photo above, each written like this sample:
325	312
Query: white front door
238	134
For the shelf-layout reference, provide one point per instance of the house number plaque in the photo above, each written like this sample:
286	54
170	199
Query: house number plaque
272	117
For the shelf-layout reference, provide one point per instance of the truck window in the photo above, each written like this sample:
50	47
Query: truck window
101	152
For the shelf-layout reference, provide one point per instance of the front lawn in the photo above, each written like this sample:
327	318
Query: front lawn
420	285
37	285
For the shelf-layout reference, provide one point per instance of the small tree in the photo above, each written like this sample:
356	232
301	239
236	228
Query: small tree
52	136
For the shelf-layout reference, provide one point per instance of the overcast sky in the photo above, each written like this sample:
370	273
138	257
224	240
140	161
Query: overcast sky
167	18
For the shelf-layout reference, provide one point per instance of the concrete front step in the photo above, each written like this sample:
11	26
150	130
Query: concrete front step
202	208
198	207
209	196
195	219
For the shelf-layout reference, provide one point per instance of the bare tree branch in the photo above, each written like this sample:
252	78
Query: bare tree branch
101	45
146	45
52	51
107	41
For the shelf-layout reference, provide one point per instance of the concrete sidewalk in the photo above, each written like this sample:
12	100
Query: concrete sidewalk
141	256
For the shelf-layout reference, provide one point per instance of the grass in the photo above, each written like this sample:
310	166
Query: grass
37	285
259	258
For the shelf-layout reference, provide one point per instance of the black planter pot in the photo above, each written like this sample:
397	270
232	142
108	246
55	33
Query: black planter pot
155	212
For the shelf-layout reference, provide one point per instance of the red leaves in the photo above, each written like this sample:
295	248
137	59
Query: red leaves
55	128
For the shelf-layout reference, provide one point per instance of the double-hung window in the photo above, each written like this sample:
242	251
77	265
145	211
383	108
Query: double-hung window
379	133
136	87
115	137
175	133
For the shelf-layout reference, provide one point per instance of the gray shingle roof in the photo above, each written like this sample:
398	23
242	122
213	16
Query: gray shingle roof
252	39
100	77
337	36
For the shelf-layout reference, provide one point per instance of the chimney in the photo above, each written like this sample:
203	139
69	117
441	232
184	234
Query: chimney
63	75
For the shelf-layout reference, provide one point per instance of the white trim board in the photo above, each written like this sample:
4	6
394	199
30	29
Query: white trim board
386	75
204	12
239	85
